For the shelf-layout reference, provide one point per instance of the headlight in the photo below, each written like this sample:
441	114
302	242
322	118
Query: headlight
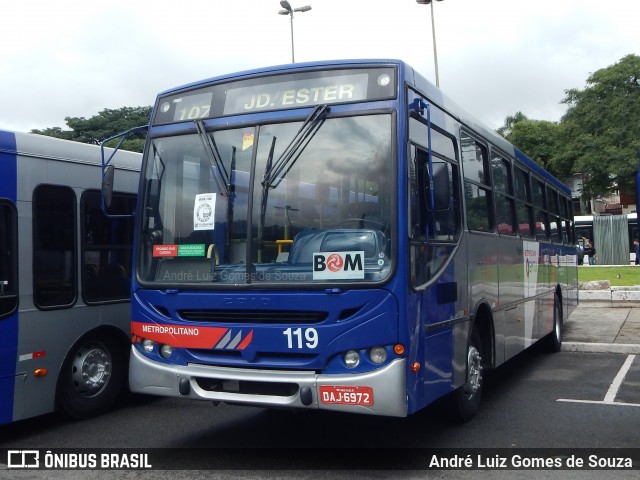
378	355
166	351
351	359
148	345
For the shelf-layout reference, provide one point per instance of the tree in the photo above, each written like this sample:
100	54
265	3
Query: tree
539	139
105	124
509	123
601	129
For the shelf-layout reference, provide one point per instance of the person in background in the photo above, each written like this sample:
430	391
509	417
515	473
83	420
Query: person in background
592	254
580	251
636	248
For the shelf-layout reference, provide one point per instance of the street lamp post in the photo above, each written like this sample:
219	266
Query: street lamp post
288	10
433	31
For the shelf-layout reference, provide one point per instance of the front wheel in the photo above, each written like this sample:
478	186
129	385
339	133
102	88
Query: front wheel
92	377
466	399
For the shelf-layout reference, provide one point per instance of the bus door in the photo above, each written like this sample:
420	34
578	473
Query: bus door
438	279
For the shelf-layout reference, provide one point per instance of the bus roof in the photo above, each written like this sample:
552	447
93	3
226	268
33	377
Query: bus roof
42	146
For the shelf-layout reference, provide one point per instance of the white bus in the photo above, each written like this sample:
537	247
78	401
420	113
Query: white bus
64	278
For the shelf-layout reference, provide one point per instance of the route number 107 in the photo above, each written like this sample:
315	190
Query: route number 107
295	337
192	113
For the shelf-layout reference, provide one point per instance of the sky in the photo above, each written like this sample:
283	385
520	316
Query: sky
72	58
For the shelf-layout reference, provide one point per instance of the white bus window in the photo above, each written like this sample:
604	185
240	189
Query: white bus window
54	246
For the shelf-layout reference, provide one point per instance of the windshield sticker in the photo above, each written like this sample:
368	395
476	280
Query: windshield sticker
165	250
187	250
191	250
338	265
204	211
247	141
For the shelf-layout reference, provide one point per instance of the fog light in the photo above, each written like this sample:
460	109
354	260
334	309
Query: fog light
166	351
351	359
148	345
378	355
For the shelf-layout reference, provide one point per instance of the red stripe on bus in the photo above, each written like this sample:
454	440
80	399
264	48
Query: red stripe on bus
179	336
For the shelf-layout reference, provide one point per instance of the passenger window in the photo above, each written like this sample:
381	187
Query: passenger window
505	200
8	258
54	246
554	216
540	204
524	209
477	185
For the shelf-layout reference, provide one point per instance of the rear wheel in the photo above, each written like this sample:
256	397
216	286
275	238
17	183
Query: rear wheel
554	339
466	399
92	377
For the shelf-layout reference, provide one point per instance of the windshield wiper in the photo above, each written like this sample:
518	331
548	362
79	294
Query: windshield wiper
220	175
275	173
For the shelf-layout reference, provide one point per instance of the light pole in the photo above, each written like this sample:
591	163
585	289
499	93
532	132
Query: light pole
433	31
288	10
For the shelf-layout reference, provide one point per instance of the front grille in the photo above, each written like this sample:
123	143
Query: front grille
265	360
247	387
254	316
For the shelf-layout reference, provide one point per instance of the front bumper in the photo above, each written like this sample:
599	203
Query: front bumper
269	388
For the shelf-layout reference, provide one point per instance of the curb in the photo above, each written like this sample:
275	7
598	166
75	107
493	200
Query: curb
612	295
625	348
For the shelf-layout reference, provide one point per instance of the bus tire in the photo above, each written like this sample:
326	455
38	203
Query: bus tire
466	399
92	377
553	341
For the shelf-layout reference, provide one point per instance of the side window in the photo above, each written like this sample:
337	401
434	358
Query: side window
54	246
435	214
567	215
540	205
8	258
106	248
505	199
554	216
477	185
524	208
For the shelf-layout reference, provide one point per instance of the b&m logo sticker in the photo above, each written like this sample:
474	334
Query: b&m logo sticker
335	263
338	265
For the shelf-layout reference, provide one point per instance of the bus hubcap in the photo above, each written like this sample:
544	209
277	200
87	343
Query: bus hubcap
474	364
91	370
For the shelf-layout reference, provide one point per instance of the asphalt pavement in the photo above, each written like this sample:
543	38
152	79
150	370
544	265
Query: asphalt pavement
607	320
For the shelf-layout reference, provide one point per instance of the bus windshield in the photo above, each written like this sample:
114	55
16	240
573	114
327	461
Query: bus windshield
294	202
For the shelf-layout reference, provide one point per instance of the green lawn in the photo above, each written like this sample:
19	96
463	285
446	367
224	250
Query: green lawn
628	275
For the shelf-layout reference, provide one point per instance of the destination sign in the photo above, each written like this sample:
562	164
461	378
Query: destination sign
276	92
300	93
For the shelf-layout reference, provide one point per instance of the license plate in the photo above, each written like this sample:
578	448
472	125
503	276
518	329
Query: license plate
336	394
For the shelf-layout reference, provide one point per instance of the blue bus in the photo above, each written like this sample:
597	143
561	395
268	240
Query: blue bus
339	235
65	272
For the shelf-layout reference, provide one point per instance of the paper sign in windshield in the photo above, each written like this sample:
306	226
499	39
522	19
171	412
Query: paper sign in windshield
204	211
